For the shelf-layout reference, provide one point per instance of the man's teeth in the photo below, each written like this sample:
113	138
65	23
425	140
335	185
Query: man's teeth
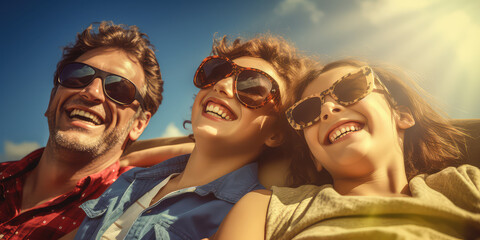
343	132
216	111
85	115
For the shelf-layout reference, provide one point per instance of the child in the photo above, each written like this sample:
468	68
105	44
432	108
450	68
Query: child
381	143
236	118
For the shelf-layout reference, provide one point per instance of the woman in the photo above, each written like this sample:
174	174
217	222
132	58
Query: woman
373	134
236	119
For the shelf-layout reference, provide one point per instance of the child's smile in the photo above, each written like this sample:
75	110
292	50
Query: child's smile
342	130
219	111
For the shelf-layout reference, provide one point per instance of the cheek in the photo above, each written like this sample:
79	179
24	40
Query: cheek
315	146
265	123
58	98
311	135
197	104
312	138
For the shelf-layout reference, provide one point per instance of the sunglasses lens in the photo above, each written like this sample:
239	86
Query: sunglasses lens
212	71
120	89
76	75
307	111
253	88
351	88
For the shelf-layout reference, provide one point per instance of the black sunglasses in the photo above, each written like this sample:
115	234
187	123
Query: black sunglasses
116	88
252	87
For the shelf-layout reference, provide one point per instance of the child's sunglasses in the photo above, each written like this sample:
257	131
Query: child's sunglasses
252	87
348	90
116	88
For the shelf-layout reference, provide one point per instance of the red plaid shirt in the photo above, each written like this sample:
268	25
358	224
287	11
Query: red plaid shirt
52	219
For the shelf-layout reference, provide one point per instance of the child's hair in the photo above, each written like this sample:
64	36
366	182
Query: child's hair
281	54
429	146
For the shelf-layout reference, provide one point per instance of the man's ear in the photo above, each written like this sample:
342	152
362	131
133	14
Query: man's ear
275	140
139	125
404	117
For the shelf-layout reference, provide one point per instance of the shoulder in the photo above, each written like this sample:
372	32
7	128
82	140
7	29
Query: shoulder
246	220
465	173
461	185
260	195
254	202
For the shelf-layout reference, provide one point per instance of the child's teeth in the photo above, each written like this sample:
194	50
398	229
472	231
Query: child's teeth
217	111
339	133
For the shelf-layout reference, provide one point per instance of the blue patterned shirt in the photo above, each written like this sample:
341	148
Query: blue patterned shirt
191	213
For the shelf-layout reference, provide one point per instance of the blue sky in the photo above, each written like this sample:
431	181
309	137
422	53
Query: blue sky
435	41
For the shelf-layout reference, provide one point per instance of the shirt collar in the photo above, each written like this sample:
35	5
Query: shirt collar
92	185
233	186
23	166
230	187
163	169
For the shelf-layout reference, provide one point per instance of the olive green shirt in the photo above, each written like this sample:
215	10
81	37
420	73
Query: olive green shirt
444	205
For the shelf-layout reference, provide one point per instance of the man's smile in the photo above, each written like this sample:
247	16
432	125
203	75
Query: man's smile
84	115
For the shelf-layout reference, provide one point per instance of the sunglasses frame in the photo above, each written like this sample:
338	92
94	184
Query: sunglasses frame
103	75
274	94
370	77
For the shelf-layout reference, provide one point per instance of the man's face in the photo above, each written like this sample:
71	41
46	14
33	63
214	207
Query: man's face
85	120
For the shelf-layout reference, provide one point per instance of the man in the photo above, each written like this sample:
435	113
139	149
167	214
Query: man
106	88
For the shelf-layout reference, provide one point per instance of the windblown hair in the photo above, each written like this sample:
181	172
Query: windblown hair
128	39
288	64
281	54
433	143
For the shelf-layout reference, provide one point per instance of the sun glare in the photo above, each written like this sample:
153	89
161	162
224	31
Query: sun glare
439	38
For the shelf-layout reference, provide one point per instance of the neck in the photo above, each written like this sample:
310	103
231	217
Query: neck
388	180
59	170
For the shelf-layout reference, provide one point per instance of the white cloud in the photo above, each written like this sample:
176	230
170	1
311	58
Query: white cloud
172	131
378	11
289	7
16	151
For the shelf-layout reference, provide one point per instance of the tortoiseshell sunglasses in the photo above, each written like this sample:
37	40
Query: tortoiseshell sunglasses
348	90
252	87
